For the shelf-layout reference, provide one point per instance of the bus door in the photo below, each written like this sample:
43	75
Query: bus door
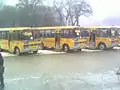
92	39
57	40
5	35
11	41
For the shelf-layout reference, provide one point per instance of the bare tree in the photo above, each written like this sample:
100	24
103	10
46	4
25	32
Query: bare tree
72	10
29	3
58	6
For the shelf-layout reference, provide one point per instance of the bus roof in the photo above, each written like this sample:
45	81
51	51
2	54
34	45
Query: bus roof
94	27
14	29
40	28
56	27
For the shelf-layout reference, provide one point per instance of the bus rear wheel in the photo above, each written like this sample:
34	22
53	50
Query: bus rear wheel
66	48
17	51
102	46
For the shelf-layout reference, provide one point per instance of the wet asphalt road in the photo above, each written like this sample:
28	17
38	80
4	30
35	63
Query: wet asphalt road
72	71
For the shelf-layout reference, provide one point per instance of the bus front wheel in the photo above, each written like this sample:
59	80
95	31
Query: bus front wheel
17	51
66	48
35	52
102	46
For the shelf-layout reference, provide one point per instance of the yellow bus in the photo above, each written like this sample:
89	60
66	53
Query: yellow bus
64	38
19	40
101	37
118	29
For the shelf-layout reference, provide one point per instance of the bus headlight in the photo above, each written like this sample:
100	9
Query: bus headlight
76	43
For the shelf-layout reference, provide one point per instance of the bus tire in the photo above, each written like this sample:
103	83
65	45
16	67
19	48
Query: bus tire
17	51
102	46
80	50
1	49
66	48
35	52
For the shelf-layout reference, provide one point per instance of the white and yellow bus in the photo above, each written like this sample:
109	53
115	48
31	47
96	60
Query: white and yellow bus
19	40
64	38
101	37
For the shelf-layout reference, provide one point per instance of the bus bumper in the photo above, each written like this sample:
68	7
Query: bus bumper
79	46
29	50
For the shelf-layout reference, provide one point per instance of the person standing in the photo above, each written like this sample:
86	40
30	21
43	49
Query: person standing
1	71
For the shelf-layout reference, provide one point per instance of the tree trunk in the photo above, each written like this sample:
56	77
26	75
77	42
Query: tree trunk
77	20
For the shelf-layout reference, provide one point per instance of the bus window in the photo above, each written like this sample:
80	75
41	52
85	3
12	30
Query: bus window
84	33
74	33
15	36
5	35
48	33
53	33
118	31
62	33
104	32
114	32
0	35
108	33
67	33
27	35
42	33
98	32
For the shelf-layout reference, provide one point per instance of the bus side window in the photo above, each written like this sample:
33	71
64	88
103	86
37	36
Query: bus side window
48	33
1	35
5	35
53	33
66	33
98	32
42	33
62	33
15	35
84	32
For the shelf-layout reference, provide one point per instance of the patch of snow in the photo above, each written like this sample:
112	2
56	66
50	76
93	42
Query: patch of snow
88	50
5	54
116	48
49	52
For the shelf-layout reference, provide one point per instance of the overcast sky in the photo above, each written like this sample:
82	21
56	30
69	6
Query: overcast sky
101	8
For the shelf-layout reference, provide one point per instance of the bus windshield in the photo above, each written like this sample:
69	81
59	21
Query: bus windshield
76	33
27	35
